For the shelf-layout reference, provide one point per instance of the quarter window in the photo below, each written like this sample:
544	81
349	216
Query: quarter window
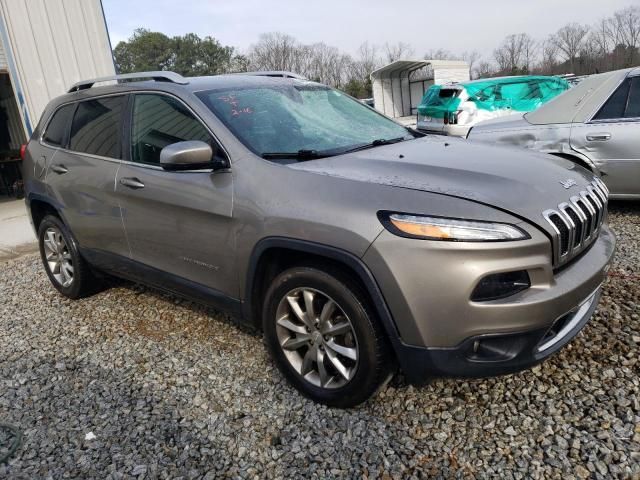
633	102
56	132
97	127
158	121
625	102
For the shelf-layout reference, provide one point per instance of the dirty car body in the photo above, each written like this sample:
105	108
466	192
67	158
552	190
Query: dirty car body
354	243
596	124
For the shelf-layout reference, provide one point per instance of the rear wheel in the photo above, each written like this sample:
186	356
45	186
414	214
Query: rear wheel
66	269
323	337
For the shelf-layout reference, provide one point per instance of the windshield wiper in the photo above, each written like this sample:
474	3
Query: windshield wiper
300	155
376	143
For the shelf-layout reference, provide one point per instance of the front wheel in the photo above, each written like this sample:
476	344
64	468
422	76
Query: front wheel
324	338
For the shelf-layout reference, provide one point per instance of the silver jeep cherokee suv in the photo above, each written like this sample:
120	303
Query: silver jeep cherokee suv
356	245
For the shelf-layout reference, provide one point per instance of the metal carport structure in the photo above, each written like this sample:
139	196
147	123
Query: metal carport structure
399	86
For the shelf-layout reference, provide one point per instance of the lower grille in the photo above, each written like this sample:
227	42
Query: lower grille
576	223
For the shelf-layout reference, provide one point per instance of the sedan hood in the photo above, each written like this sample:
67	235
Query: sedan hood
517	181
516	120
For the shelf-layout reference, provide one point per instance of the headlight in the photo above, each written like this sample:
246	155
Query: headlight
450	229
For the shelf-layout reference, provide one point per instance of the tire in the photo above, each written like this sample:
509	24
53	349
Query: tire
72	277
318	360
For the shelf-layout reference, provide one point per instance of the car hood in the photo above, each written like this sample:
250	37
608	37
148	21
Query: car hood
520	182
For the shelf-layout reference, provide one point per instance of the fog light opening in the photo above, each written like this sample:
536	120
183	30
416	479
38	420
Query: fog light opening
500	285
497	349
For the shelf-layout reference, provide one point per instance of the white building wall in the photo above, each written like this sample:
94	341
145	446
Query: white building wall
3	59
387	98
417	92
449	75
50	45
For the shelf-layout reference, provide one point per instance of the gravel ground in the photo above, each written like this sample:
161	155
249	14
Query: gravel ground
134	384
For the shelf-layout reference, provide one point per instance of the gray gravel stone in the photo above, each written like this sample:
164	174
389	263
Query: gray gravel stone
173	390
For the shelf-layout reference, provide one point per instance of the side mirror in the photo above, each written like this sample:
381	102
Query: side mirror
189	155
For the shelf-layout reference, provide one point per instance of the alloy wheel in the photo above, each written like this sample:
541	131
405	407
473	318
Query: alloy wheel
317	338
58	257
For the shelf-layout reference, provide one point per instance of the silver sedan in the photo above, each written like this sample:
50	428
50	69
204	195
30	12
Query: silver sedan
596	124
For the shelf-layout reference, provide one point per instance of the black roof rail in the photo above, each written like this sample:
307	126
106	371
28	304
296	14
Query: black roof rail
159	76
274	73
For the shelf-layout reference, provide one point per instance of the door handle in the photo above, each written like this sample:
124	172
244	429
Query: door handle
59	169
598	137
131	182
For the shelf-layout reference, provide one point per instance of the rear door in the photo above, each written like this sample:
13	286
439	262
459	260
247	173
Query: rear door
80	174
176	222
612	138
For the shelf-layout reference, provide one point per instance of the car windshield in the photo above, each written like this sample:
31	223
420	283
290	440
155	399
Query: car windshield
287	119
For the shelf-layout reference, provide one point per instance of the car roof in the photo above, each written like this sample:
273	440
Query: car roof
107	85
510	79
500	81
243	81
580	102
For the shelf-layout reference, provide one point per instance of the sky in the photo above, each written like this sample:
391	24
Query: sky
457	26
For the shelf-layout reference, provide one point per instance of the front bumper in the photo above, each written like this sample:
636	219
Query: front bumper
492	355
427	286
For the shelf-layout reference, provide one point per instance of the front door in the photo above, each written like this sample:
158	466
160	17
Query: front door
176	222
612	140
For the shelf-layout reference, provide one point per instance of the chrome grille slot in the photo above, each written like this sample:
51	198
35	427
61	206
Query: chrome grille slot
576	223
587	220
592	212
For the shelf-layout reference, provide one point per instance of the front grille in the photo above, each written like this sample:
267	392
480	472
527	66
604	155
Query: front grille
576	223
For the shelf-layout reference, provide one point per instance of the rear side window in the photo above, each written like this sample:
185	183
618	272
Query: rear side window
158	121
56	133
633	102
448	93
97	127
617	103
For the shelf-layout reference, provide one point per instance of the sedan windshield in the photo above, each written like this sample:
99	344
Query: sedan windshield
300	121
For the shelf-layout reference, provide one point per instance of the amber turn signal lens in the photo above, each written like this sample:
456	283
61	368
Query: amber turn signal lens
420	230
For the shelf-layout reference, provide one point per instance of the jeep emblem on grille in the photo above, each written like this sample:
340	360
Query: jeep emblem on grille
568	183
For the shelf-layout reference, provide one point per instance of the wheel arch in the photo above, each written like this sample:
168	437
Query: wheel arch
577	158
414	362
275	254
40	207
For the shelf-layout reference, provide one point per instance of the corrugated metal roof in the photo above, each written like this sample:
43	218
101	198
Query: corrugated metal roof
409	65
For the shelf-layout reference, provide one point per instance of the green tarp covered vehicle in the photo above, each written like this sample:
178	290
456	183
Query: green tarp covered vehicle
453	109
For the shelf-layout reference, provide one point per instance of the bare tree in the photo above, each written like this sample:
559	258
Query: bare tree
625	25
549	56
440	54
326	64
485	69
515	54
366	62
274	51
569	40
602	35
471	58
397	51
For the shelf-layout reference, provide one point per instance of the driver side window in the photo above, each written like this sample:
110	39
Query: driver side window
158	121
